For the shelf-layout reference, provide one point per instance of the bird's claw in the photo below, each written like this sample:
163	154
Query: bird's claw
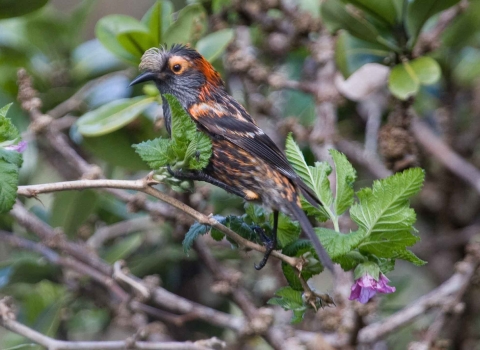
269	245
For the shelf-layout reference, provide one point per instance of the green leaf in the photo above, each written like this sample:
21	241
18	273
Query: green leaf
202	151
188	27
121	35
385	207
212	45
71	209
15	8
365	268
318	212
157	152
384	215
383	10
288	231
157	19
112	116
193	233
183	128
337	244
314	177
8	131
256	213
335	17
237	224
406	78
290	299
136	42
187	147
345	175
321	183
352	53
426	69
419	11
301	248
386	245
10	162
403	83
121	250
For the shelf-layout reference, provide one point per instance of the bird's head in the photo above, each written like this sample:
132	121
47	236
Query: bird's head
180	71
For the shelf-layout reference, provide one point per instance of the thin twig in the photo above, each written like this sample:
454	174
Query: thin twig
143	185
445	155
7	320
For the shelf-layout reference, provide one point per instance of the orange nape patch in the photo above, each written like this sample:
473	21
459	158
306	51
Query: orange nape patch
250	195
178	64
209	72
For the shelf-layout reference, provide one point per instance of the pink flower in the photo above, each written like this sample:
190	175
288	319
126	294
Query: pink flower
366	287
20	147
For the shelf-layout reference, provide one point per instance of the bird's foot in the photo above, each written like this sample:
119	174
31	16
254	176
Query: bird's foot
269	244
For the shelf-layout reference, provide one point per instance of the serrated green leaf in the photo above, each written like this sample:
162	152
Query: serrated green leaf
287	231
183	128
315	177
296	159
157	19
386	265
10	162
350	260
212	45
8	132
189	26
345	175
202	151
321	184
237	224
337	244
112	116
383	213
193	233
290	299
256	213
318	213
157	152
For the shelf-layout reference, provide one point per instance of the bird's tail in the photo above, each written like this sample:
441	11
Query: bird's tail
306	226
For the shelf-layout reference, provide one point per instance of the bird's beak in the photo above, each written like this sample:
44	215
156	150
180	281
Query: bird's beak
147	76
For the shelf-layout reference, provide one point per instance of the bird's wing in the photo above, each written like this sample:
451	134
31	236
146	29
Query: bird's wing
236	125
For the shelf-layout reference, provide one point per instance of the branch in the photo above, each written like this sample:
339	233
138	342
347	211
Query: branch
144	185
444	154
455	287
7	320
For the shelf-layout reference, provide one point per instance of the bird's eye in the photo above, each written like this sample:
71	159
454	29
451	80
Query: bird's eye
176	68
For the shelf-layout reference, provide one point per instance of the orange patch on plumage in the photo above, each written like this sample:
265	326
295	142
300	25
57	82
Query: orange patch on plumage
250	195
209	72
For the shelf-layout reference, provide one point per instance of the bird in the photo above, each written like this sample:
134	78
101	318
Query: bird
245	161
